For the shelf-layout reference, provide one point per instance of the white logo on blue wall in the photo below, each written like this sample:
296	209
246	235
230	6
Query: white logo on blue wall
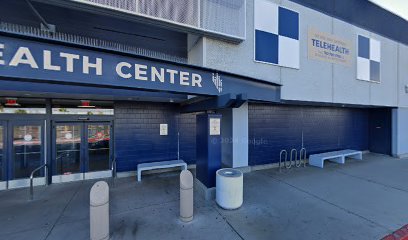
216	78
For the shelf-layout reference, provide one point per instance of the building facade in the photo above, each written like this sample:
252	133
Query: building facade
86	83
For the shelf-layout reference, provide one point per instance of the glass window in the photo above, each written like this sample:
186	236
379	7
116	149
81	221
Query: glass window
26	149
23	110
82	111
22	106
78	107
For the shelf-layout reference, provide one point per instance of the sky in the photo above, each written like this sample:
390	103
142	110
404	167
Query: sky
398	7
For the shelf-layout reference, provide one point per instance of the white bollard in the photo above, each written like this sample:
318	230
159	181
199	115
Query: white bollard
186	196
99	211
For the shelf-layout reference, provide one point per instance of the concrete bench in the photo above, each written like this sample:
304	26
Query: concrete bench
159	165
317	160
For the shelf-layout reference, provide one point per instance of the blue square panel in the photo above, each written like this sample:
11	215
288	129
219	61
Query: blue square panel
374	71
266	47
288	23
363	47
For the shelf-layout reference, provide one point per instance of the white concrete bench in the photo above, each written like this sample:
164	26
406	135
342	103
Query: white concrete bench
159	165
317	160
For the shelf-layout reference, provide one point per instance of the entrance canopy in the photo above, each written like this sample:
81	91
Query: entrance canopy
49	63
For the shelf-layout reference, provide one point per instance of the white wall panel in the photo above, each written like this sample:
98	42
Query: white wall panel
385	93
318	81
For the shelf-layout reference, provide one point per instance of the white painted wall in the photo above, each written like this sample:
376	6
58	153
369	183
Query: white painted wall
400	132
317	81
234	133
240	136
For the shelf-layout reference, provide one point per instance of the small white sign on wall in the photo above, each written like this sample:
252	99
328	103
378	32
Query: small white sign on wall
215	126
163	130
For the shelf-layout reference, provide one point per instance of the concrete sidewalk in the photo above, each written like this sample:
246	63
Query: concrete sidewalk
358	200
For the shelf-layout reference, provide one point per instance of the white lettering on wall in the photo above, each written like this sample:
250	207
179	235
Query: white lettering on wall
2	62
141	72
184	77
86	65
196	80
172	74
60	61
47	62
156	74
23	56
69	59
119	70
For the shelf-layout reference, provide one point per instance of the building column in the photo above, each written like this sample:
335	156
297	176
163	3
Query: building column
234	129
399	132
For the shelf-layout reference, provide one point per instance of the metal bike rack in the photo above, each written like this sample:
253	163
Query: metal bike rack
285	153
293	160
113	169
32	179
303	150
298	163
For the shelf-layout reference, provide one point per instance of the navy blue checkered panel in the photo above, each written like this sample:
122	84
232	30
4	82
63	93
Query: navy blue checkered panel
363	47
265	51
276	34
368	59
375	71
288	23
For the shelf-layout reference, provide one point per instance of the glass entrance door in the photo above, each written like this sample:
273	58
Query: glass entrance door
3	180
67	164
98	152
26	153
81	151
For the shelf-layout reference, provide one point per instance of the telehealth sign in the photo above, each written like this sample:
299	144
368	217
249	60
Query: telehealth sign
53	63
328	48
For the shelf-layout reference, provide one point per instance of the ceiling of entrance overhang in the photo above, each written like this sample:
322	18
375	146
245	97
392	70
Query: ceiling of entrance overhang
98	26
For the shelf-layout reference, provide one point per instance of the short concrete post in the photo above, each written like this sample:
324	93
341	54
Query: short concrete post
186	196
99	211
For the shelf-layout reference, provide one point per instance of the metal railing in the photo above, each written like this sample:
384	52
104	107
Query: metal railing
113	169
45	166
85	41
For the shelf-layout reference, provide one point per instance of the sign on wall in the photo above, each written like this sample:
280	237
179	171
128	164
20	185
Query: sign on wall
276	34
328	48
215	126
368	59
51	63
163	129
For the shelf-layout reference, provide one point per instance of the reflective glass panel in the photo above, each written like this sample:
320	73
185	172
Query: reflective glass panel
68	149
1	153
26	149
98	147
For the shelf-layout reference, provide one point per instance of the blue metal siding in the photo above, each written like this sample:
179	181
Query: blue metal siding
137	134
363	13
276	127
